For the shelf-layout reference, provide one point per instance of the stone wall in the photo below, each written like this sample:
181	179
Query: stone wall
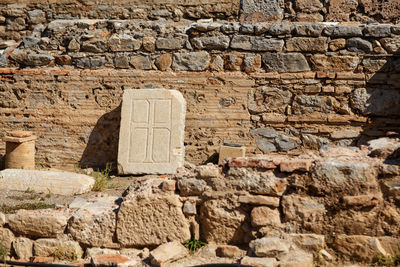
280	87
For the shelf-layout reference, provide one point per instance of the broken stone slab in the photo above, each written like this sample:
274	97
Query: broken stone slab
167	252
259	262
62	247
94	223
152	131
60	183
39	223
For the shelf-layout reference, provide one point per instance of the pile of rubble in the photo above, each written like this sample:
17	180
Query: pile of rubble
334	207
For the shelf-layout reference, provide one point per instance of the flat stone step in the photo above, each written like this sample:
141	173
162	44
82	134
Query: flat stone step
60	183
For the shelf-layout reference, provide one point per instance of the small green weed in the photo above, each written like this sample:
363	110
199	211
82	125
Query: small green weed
387	260
65	254
193	244
101	178
26	206
3	253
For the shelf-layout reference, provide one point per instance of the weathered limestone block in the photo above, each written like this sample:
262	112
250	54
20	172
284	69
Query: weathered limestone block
192	61
191	186
380	30
151	220
297	208
228	251
357	44
303	104
334	63
290	62
263	216
123	43
272	202
256	43
141	62
222	221
343	31
167	252
258	261
305	44
6	239
392	45
337	177
269	247
94	223
310	29
152	131
61	248
60	183
308	6
264	183
39	223
221	42
309	242
230	152
23	248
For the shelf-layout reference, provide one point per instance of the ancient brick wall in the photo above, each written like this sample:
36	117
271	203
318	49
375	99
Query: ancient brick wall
272	86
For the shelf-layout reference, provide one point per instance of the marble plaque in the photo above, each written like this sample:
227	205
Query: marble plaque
152	131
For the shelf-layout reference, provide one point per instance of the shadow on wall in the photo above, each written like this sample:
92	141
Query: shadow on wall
380	99
102	147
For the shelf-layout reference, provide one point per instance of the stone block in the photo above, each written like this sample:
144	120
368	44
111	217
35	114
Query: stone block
269	247
123	43
305	44
264	10
169	43
6	239
161	220
259	261
230	152
211	42
192	61
263	216
230	251
60	183
297	208
334	63
23	248
167	252
260	200
39	223
256	43
152	131
285	62
62	248
115	260
163	62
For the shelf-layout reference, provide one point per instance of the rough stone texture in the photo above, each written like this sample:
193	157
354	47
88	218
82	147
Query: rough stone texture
160	221
257	261
262	216
23	248
251	43
2	219
230	152
170	251
269	247
304	44
302	209
221	222
113	260
150	119
6	237
336	63
265	10
39	223
291	62
94	223
61	183
192	61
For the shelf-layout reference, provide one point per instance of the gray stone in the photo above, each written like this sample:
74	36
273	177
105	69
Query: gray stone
36	16
61	183
267	10
256	43
30	41
94	46
263	183
74	45
303	104
274	100
152	131
281	28
357	44
343	31
230	28
37	59
189	208
285	143
305	44
192	61
282	62
15	24
383	147
396	29
265	132
376	101
221	42
170	43
265	144
269	247
123	43
310	29
191	186
337	177
380	30
247	29
121	62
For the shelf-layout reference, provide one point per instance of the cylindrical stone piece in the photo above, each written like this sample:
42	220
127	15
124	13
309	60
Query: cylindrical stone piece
20	150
